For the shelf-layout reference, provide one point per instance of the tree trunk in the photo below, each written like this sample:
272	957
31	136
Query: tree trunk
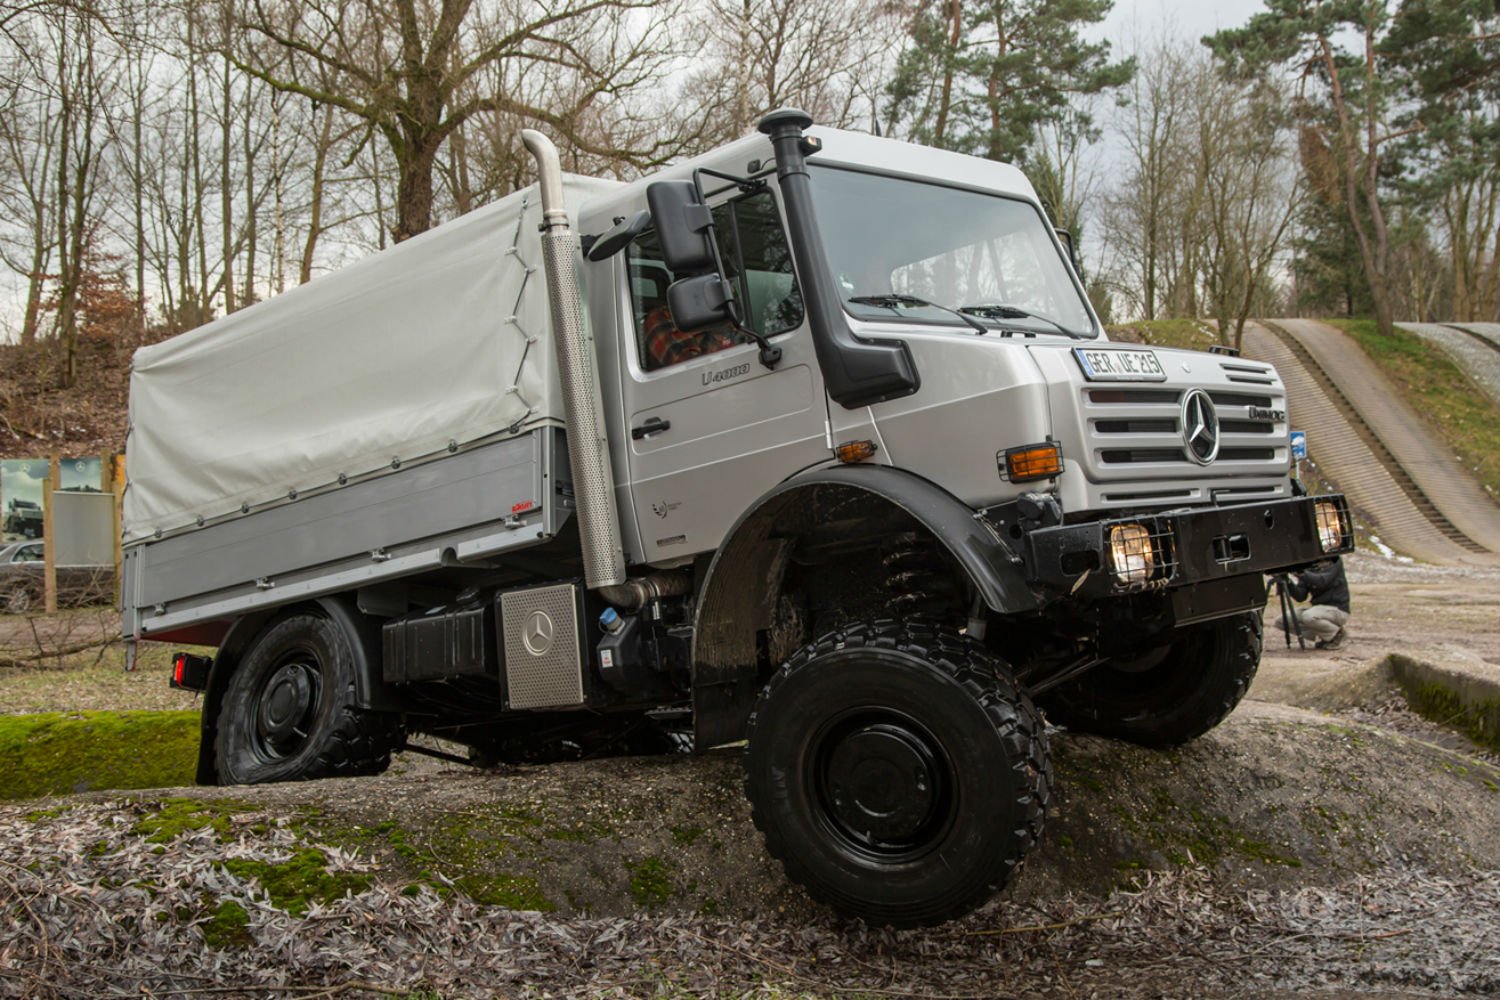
954	11
226	192
315	223
414	191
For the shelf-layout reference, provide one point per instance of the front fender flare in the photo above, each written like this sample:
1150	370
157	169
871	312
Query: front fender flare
743	582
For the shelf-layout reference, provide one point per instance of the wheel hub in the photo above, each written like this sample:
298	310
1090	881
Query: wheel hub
883	784
288	701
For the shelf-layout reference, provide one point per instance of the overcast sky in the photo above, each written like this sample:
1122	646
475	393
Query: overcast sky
1191	19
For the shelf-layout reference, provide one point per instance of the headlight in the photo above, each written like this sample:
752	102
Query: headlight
1130	553
1330	525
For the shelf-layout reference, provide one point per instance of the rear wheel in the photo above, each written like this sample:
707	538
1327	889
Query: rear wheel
897	772
289	713
18	599
1167	695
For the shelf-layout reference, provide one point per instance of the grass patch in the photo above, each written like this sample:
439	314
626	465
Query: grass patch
1465	419
229	927
469	850
1188	334
302	879
94	681
650	882
178	816
56	754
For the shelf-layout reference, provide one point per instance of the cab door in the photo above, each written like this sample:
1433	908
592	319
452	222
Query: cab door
711	428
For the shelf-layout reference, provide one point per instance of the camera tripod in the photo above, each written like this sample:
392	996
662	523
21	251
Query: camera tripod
1289	621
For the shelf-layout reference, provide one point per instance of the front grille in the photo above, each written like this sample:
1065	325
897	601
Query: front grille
1241	371
1246	454
1153	426
1232	399
1134	444
1246	427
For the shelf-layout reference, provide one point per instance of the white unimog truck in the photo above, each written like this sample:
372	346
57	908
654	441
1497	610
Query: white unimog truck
812	442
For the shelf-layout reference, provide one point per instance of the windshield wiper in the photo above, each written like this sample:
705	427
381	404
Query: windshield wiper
893	301
997	311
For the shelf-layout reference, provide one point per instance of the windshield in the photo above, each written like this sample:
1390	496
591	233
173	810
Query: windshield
925	252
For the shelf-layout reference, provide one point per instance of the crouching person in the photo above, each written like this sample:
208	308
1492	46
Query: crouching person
1325	586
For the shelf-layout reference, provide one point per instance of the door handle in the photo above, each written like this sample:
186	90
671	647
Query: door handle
653	426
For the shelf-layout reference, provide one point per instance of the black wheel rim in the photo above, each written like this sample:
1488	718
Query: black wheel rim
883	786
287	704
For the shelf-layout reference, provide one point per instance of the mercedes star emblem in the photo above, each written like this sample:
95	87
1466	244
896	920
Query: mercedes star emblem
537	635
1200	427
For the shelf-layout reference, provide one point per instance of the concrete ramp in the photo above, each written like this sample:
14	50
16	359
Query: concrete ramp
1477	353
1350	452
1488	331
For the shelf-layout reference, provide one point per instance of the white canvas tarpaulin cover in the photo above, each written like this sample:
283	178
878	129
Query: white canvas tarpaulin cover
446	337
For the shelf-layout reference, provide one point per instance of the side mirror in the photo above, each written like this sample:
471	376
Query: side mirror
682	226
619	236
699	302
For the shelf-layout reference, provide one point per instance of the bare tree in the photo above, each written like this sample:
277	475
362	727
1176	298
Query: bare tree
29	134
404	68
83	83
1250	193
828	57
1139	214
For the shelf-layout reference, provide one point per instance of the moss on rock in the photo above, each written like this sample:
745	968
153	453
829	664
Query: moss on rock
60	754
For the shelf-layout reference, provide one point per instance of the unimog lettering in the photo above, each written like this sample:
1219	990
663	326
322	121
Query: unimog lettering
724	375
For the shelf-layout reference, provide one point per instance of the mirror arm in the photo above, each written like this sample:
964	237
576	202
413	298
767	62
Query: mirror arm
770	354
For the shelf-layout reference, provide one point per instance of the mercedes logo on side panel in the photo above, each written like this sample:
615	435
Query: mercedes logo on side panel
538	633
1200	427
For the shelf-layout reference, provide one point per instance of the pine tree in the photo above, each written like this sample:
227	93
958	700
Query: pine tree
981	76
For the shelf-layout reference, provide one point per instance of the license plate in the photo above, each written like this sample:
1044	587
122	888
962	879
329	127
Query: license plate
1119	366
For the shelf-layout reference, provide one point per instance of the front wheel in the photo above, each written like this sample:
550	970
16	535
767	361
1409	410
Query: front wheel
1168	695
289	712
897	772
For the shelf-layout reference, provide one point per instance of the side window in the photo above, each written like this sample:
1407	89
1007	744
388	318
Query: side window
758	262
28	553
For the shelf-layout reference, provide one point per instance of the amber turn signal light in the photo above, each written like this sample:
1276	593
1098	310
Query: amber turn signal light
855	451
1033	461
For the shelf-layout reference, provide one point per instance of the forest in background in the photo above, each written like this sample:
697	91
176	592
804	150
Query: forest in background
164	162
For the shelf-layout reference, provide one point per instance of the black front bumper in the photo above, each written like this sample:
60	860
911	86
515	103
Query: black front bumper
1191	546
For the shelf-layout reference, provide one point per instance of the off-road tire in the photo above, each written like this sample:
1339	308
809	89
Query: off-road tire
1196	683
288	713
911	727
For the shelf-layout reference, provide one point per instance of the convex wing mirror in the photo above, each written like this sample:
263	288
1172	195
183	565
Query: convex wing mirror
619	236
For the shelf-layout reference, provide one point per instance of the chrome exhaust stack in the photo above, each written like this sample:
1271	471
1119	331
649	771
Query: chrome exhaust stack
588	444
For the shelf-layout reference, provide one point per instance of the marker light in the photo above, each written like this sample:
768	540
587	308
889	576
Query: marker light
855	451
1033	461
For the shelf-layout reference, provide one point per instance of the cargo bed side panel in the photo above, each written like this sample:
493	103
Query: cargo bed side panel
470	505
